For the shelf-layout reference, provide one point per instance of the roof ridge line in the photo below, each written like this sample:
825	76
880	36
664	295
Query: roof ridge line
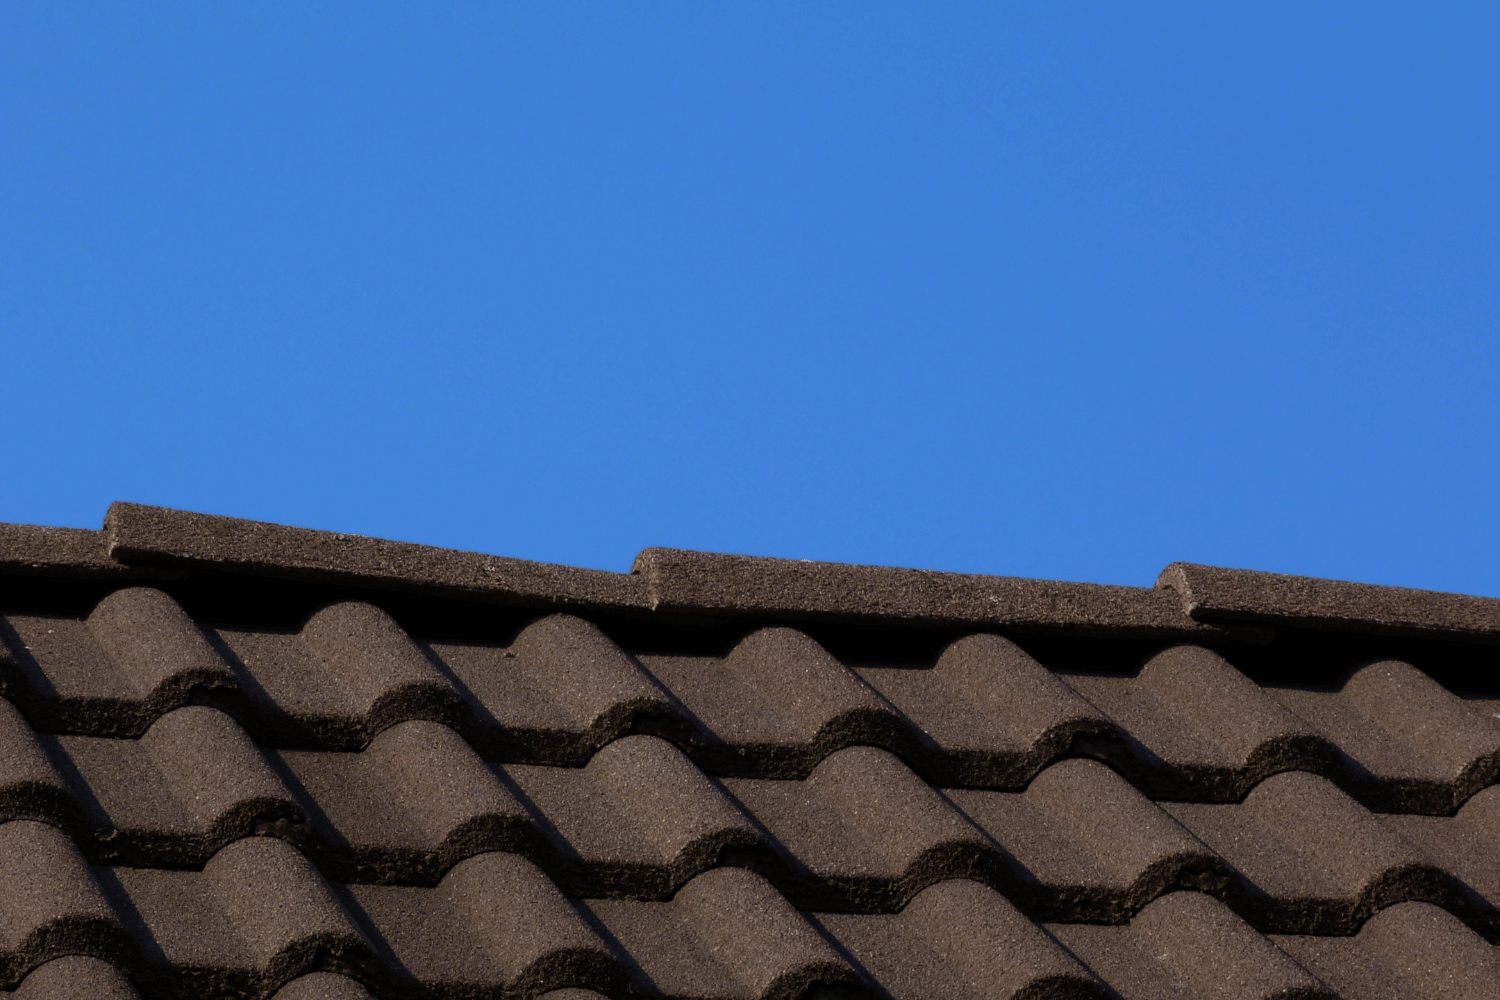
1217	594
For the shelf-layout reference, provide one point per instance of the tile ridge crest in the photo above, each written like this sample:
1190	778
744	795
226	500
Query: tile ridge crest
138	533
1223	595
686	581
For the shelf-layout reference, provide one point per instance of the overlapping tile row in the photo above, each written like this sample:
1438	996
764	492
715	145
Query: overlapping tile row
1188	726
861	833
259	920
259	917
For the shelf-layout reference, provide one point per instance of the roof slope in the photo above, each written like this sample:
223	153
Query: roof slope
240	759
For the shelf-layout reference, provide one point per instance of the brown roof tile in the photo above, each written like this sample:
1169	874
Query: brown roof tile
31	550
1191	946
494	923
669	820
989	711
1086	845
958	940
752	586
137	533
322	986
726	934
863	831
1209	593
1409	951
50	903
76	977
725	777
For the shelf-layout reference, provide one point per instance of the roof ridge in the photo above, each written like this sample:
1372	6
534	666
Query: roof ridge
1188	601
1216	594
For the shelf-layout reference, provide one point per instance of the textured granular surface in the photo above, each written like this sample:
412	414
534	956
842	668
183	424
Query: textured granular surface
248	760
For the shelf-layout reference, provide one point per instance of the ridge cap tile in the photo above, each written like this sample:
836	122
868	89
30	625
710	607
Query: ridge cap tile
680	580
1188	599
37	550
141	533
1217	594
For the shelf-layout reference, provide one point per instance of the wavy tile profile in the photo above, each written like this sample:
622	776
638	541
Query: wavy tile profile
1187	726
249	761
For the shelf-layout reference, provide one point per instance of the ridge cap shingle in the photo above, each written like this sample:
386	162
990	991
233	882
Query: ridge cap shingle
33	549
661	580
1189	601
1218	594
681	580
140	533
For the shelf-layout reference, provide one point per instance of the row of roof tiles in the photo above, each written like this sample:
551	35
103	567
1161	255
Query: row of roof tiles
140	542
780	835
1187	726
861	833
259	916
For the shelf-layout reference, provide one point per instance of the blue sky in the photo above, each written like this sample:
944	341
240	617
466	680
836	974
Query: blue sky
1057	290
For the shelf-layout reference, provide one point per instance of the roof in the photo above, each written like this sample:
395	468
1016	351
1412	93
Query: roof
241	759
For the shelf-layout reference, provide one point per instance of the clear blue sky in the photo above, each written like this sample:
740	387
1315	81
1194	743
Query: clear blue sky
1058	290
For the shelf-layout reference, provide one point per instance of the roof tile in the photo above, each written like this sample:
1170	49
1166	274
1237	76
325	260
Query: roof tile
495	922
753	586
958	940
1201	728
50	903
218	774
374	668
412	805
194	783
30	785
322	986
640	816
1089	846
1409	951
863	831
726	934
329	793
1313	859
138	533
156	645
1459	744
1214	594
989	713
1190	946
76	977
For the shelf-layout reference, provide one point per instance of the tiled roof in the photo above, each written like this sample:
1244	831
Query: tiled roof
240	759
